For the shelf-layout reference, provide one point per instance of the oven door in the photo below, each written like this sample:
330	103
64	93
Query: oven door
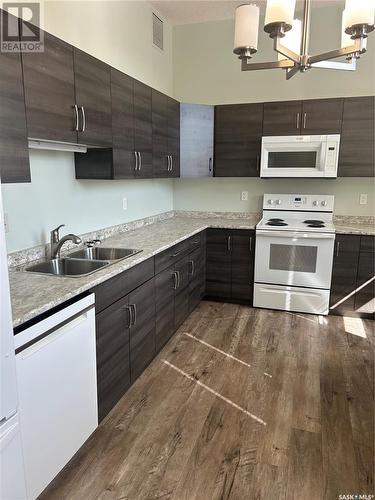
296	259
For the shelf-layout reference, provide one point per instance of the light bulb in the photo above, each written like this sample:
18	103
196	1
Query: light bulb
280	11
246	28
359	12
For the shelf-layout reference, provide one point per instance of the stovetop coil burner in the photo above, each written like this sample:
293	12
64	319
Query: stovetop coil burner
274	219
276	223
315	225
313	221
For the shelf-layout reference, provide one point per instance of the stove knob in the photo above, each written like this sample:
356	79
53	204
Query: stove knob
315	203
278	202
324	203
270	202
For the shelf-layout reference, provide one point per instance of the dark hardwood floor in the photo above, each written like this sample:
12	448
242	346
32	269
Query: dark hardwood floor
241	404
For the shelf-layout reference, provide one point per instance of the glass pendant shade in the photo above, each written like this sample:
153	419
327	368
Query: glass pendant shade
346	40
280	11
246	28
292	39
359	12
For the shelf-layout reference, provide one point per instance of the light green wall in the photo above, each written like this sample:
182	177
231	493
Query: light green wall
223	194
119	33
206	71
54	197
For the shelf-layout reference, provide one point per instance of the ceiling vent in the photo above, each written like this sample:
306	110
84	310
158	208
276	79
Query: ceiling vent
157	31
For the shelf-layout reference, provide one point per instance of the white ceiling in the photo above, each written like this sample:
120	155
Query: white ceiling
200	11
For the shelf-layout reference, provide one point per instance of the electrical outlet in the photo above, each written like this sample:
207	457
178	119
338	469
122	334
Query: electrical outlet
6	223
244	195
363	199
124	203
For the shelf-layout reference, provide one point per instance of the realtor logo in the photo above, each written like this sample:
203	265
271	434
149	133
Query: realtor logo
20	27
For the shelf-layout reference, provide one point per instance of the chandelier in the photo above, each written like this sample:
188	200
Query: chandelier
291	36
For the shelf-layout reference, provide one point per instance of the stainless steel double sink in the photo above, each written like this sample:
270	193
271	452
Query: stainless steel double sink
83	262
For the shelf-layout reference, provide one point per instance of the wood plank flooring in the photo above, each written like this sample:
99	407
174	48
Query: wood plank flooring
241	404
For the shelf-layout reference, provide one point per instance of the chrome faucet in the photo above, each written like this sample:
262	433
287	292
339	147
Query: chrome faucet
57	243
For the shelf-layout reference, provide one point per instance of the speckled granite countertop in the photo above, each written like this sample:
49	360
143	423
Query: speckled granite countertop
32	294
354	227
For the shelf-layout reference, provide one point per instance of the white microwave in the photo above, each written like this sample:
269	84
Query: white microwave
300	156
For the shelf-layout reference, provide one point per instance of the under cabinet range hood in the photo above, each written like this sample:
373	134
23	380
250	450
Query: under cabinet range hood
300	156
56	146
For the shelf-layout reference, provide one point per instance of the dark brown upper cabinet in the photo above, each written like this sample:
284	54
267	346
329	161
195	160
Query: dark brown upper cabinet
238	133
93	99
49	91
143	129
166	135
322	116
14	154
282	118
357	156
315	116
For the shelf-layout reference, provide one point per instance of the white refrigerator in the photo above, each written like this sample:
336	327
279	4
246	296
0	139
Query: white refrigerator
12	481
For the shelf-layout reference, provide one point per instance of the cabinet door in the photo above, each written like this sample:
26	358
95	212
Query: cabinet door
112	355
174	136
93	96
142	330
164	292
218	264
238	133
49	91
344	273
282	118
181	293
365	297
357	147
14	154
160	134
322	116
196	263
124	160
242	262
197	140
143	128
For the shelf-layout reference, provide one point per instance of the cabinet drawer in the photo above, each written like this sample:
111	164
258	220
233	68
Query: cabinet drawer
170	256
368	244
196	241
108	292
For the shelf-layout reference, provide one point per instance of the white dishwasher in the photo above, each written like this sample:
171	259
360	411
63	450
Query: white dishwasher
56	374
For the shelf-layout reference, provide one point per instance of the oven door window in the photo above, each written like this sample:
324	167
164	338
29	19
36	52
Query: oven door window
296	258
292	159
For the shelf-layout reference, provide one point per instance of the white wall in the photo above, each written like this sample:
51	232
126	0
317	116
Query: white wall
119	33
207	72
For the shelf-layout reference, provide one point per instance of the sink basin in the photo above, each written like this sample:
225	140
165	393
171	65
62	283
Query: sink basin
68	267
104	253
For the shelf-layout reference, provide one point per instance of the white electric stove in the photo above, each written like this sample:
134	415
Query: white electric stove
294	253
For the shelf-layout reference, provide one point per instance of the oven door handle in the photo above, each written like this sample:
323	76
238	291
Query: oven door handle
289	234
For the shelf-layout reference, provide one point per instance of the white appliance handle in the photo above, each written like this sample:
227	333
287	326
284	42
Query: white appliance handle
290	234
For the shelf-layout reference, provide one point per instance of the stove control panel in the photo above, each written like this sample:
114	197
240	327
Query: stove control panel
302	202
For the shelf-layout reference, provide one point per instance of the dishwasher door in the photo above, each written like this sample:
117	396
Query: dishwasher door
56	372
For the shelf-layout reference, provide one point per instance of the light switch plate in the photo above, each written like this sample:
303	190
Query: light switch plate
124	203
244	195
363	199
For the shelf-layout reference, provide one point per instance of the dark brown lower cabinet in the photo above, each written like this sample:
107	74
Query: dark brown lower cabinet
197	276
230	264
352	286
142	329
164	299
112	355
181	291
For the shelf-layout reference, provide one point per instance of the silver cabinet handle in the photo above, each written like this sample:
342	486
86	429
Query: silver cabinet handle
178	279
229	243
210	164
82	109
258	164
297	120
191	262
140	161
129	310
337	248
250	243
136	160
75	107
304	120
134	308
175	286
167	163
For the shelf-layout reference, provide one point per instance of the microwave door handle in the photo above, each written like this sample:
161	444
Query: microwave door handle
300	236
